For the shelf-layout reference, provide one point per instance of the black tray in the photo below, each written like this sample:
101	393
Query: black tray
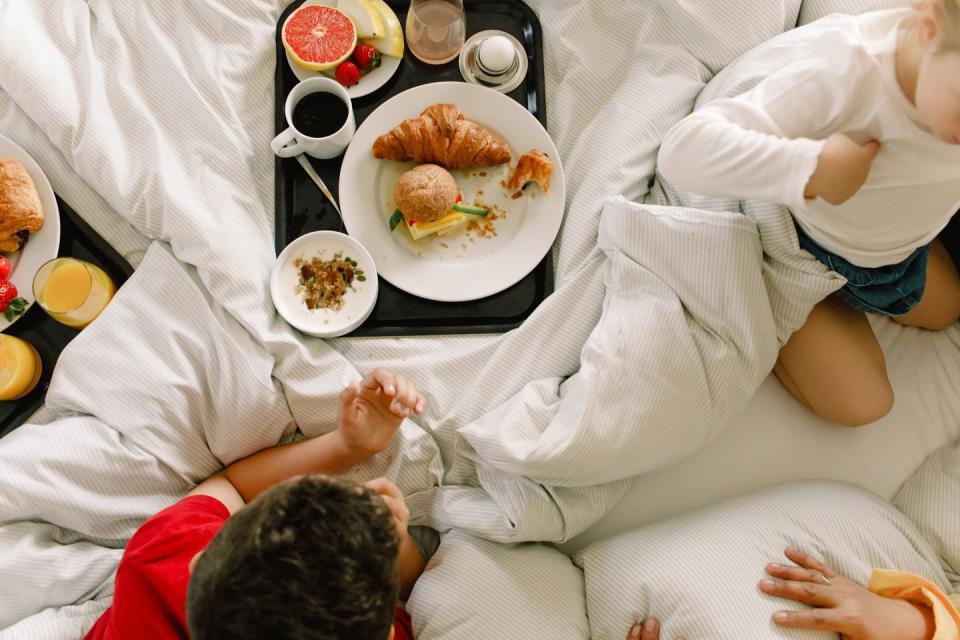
77	240
301	208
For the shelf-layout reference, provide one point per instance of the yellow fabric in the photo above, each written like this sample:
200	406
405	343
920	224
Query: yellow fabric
906	586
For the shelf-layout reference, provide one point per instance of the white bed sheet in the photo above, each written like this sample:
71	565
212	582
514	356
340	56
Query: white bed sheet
777	440
162	175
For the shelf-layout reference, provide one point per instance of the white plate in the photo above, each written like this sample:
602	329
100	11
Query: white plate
369	82
458	266
324	323
42	245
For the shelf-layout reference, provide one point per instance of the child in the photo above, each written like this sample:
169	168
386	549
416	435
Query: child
860	138
310	556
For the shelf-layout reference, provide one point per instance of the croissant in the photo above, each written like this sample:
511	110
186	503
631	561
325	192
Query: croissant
441	135
533	166
20	210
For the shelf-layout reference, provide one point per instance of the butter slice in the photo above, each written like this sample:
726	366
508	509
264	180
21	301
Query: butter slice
438	226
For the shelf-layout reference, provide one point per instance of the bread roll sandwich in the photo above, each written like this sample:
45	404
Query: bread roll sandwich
425	196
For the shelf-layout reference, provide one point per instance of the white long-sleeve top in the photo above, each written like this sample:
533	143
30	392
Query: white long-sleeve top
763	144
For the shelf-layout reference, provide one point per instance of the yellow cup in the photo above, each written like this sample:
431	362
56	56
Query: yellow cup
20	367
72	292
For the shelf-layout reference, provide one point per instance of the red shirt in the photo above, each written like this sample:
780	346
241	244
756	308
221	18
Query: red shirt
150	593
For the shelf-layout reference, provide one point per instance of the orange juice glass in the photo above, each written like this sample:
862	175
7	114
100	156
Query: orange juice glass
20	367
72	292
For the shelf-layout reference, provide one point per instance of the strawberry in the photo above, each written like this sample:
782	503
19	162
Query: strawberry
348	74
8	291
4	267
10	304
366	56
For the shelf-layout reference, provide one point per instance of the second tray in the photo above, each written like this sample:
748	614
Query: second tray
301	208
77	240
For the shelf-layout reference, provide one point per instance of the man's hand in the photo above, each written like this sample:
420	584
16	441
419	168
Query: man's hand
842	169
648	630
372	410
841	605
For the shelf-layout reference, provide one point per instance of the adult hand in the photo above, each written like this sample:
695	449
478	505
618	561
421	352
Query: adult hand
394	500
841	605
842	169
648	630
372	410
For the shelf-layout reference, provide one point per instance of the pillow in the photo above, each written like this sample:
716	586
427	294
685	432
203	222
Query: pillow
812	10
473	588
698	573
931	499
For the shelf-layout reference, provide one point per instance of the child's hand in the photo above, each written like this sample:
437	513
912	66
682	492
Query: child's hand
842	169
394	499
372	410
410	560
841	605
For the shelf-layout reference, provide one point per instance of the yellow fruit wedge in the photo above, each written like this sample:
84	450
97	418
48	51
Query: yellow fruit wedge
365	17
391	42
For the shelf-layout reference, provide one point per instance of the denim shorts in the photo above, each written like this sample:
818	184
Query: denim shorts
426	539
891	290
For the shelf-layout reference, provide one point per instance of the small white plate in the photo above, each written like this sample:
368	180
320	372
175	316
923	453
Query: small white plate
369	82
42	245
461	265
323	323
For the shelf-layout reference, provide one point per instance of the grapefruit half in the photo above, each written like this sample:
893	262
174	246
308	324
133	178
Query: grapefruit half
319	37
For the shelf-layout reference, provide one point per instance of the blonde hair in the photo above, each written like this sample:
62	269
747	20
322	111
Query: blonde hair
949	25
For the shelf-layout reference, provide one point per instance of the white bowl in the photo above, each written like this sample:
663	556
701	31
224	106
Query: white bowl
323	323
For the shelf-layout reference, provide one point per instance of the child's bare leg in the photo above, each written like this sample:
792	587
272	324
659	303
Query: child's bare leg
940	305
835	367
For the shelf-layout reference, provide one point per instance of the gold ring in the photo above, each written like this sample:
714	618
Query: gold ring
825	579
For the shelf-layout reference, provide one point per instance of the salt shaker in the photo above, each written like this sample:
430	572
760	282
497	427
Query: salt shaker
494	59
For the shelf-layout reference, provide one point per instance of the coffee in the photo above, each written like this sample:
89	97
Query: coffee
320	118
319	114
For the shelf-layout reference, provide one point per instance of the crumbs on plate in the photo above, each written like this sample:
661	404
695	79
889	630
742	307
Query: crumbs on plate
485	227
323	283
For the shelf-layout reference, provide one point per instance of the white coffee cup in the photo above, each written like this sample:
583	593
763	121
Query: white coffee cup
291	142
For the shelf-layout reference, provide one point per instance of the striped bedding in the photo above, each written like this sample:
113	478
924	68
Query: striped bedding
699	572
152	119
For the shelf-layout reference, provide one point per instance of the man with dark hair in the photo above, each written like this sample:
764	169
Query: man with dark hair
310	556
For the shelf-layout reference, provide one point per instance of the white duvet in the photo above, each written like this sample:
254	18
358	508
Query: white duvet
152	119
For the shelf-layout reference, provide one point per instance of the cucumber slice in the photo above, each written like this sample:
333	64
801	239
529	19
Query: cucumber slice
395	219
473	211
